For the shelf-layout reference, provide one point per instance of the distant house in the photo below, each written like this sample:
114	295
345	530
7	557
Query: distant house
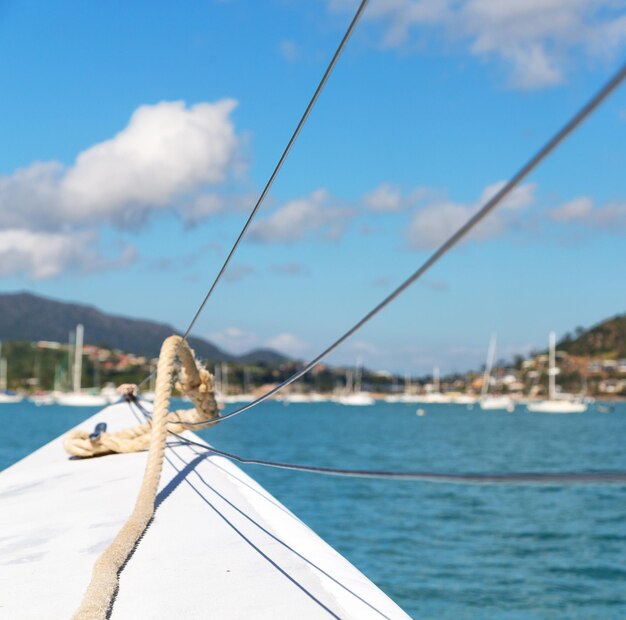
611	386
594	366
47	344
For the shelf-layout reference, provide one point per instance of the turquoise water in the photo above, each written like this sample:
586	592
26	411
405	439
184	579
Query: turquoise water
440	550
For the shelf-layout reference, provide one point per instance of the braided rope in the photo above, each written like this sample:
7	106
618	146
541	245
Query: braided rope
198	384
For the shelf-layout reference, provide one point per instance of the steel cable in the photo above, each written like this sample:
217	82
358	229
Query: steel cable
487	207
277	168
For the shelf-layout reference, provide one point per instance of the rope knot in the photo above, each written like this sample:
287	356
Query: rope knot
128	391
194	381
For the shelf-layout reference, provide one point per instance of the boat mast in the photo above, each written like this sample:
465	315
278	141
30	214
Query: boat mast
78	357
246	380
349	377
553	370
491	354
224	378
70	361
3	374
357	375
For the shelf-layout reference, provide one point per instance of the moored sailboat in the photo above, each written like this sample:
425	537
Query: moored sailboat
496	402
6	396
434	395
556	402
77	397
353	395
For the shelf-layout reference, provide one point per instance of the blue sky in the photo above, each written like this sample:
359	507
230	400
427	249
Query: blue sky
137	136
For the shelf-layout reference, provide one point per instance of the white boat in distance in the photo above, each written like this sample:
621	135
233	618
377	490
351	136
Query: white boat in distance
41	399
354	397
7	397
493	403
78	398
464	399
561	403
409	396
557	406
435	396
81	399
502	403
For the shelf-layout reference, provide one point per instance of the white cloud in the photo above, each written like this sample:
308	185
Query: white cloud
577	209
41	255
167	155
388	198
611	216
166	152
288	343
234	339
290	268
236	273
315	215
434	223
200	207
436	285
384	198
537	40
289	50
521	197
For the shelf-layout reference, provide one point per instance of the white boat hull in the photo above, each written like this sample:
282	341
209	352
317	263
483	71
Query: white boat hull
434	398
220	546
77	399
42	399
356	400
499	403
557	406
407	399
464	400
9	399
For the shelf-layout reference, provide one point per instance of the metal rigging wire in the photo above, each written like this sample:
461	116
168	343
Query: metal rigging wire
489	206
279	165
510	478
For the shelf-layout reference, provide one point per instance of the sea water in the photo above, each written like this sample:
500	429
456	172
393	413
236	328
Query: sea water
445	551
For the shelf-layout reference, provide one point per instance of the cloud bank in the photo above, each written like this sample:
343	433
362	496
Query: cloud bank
169	155
316	216
537	41
435	222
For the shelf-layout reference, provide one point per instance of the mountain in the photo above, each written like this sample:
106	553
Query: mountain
24	316
607	339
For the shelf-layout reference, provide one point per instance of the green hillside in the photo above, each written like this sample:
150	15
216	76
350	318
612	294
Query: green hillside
607	340
28	318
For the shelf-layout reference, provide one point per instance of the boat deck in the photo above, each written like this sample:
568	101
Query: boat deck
220	546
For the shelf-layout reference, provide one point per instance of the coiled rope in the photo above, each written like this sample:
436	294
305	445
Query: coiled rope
195	382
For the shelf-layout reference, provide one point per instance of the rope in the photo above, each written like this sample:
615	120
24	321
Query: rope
489	206
277	168
198	384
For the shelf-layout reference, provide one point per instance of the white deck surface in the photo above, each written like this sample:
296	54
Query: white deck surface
219	547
